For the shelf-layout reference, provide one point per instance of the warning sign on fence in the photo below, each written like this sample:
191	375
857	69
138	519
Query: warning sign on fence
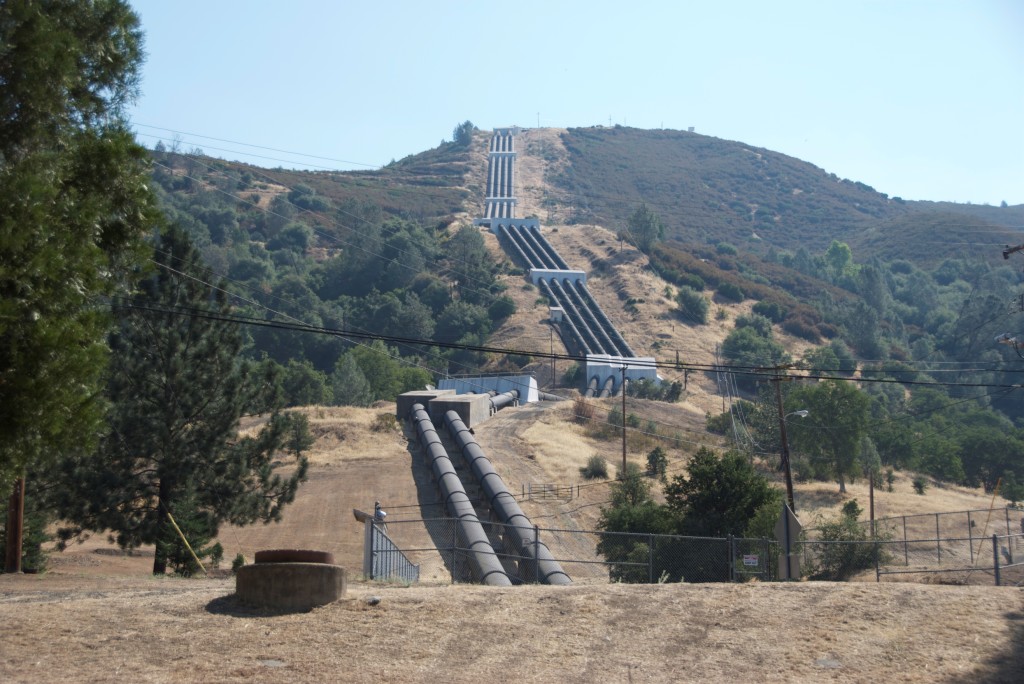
750	560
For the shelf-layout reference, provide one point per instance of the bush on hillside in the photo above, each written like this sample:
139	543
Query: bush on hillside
596	468
693	307
730	291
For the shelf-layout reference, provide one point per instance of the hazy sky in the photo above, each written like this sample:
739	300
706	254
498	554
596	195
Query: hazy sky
922	100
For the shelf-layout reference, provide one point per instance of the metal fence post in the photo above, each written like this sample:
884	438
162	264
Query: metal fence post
938	543
650	558
731	554
970	538
995	556
1009	542
906	552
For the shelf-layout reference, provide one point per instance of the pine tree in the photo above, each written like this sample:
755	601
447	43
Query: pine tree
178	389
74	205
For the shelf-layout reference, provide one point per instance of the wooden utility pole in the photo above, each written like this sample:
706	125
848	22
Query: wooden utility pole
15	527
622	390
551	340
785	442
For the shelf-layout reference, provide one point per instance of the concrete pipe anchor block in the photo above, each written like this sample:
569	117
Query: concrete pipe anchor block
296	585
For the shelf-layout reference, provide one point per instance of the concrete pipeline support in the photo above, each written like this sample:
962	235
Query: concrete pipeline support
539	563
483	561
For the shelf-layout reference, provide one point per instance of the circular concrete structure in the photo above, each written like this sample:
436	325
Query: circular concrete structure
294	556
291	586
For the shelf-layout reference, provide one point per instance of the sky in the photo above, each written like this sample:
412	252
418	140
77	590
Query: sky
920	100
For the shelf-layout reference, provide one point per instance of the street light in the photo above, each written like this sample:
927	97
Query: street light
803	413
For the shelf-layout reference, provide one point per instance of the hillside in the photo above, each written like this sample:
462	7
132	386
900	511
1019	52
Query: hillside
707	190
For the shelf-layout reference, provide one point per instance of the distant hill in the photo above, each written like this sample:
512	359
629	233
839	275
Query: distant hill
709	190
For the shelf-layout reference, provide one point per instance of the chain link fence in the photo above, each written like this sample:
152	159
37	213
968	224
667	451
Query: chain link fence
435	547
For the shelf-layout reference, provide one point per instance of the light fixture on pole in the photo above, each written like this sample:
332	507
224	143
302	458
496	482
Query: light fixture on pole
803	413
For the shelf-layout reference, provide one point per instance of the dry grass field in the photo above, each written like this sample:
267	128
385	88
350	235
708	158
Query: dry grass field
104	629
98	616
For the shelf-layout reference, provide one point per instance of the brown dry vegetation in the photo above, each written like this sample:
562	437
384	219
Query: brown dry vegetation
170	630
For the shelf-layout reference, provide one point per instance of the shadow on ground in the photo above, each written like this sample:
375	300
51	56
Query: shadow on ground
230	605
1008	664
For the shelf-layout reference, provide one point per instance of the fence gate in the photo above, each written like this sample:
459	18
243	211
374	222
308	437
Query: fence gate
382	559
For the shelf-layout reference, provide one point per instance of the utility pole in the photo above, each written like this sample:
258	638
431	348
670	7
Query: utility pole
777	379
551	343
622	390
785	442
15	527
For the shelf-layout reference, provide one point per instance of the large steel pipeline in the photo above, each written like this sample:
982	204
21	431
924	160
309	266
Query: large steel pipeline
554	260
605	342
549	248
533	259
503	232
579	319
483	561
592	387
500	401
574	332
546	261
609	386
519	530
624	348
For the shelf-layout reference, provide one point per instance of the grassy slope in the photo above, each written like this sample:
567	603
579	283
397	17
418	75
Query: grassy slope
706	190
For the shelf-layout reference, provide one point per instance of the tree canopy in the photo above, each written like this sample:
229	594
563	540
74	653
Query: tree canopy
644	228
74	205
178	388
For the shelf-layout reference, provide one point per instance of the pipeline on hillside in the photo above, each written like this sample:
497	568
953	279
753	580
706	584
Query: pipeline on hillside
500	401
537	561
483	561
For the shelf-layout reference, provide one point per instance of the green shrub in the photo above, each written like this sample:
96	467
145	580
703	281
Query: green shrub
773	311
720	424
920	484
843	549
657	463
596	468
759	323
693	307
572	374
731	292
